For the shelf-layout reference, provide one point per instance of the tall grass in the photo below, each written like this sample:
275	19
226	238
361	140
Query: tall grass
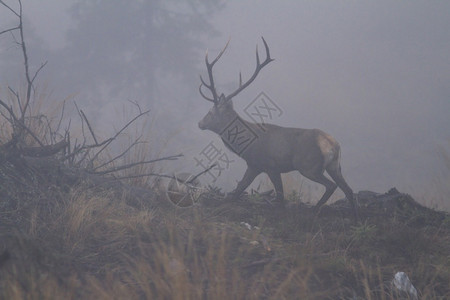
93	246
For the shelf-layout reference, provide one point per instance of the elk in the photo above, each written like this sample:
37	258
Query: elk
270	148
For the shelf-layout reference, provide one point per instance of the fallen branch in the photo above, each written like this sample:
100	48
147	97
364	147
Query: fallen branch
200	174
44	151
89	126
136	142
119	132
127	166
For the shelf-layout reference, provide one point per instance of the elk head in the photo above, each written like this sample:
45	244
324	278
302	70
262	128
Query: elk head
222	113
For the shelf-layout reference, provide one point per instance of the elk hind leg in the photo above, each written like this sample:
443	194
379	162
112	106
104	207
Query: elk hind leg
334	170
330	187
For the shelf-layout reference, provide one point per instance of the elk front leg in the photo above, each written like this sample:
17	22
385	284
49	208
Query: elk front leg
248	178
278	185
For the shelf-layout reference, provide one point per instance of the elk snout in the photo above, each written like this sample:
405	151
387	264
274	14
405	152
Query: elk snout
202	125
205	123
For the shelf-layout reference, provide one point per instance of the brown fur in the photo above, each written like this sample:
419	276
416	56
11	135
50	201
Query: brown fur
274	149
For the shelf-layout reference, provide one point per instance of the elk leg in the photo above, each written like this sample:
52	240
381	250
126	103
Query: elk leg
248	178
335	173
278	185
330	187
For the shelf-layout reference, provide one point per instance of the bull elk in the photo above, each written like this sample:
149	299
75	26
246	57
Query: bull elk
270	148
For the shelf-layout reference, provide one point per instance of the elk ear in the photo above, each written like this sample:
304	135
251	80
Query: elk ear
225	103
229	103
222	98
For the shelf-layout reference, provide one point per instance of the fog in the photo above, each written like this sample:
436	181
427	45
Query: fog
374	74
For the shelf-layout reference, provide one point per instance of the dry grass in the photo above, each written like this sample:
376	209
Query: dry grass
43	125
89	245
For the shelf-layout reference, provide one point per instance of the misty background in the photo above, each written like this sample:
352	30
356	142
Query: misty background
374	74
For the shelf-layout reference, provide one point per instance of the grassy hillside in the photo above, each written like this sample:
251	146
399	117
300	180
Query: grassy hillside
76	242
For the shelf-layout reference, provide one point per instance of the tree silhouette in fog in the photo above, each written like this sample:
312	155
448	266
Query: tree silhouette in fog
117	45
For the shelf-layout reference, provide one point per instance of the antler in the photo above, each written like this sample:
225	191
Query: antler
211	86
259	66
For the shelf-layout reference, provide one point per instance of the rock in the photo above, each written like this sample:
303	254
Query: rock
403	285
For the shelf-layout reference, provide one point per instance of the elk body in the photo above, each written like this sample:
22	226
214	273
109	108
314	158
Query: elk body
273	149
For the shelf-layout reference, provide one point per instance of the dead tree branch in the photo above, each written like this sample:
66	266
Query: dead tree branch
89	126
8	7
201	173
132	145
109	141
127	166
47	150
9	30
18	122
76	163
84	149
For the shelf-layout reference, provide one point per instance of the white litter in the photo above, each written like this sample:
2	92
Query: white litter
402	283
248	226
